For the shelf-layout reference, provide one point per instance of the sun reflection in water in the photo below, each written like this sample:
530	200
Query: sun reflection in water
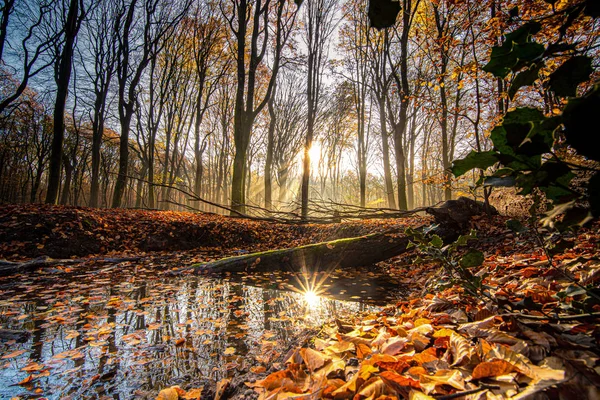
312	299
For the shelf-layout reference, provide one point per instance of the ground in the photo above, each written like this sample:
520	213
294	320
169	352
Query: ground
533	329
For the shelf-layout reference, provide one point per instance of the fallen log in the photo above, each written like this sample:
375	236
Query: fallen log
342	253
451	219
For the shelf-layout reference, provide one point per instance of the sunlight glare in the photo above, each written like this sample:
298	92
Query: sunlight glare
311	298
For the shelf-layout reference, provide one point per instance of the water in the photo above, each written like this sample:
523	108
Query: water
126	331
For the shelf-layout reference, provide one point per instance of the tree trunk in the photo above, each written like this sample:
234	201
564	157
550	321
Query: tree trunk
385	147
63	78
269	157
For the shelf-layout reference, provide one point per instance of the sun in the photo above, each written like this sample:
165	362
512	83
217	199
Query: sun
315	155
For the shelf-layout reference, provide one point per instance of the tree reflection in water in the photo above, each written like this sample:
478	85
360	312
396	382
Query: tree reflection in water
117	332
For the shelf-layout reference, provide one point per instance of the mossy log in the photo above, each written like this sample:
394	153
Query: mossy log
452	218
342	253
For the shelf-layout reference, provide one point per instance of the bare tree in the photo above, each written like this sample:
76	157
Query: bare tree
142	32
320	23
75	13
260	16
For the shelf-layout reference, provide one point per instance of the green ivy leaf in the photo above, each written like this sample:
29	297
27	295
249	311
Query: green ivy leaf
564	81
436	242
516	52
474	159
474	258
524	78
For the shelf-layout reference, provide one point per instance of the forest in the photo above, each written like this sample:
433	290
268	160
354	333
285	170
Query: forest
194	105
277	199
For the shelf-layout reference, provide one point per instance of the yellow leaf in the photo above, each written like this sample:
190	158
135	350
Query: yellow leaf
229	351
442	377
443	332
488	369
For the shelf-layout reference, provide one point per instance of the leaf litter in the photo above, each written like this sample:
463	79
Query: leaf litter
118	328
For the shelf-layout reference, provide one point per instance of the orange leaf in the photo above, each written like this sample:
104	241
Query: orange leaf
26	380
492	368
274	380
13	354
362	350
416	371
179	341
398	366
398	382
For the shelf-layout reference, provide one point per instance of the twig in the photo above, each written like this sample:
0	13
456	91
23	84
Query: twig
554	318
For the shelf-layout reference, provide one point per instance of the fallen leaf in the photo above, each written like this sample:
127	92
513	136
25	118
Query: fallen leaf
27	380
13	354
313	359
221	388
399	383
229	351
193	394
488	369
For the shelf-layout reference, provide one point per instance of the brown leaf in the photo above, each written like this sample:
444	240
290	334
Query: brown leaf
393	345
171	393
180	342
398	366
221	388
274	380
313	359
488	369
461	349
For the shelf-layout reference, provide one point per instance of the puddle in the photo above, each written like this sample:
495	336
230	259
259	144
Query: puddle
126	331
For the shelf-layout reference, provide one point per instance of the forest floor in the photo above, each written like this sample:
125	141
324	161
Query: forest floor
533	333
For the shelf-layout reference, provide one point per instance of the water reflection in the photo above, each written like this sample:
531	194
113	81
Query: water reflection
127	331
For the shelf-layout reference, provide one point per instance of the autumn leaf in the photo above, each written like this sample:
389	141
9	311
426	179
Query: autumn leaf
13	354
313	359
229	351
192	394
362	350
399	383
180	342
221	388
27	380
442	377
488	369
461	349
